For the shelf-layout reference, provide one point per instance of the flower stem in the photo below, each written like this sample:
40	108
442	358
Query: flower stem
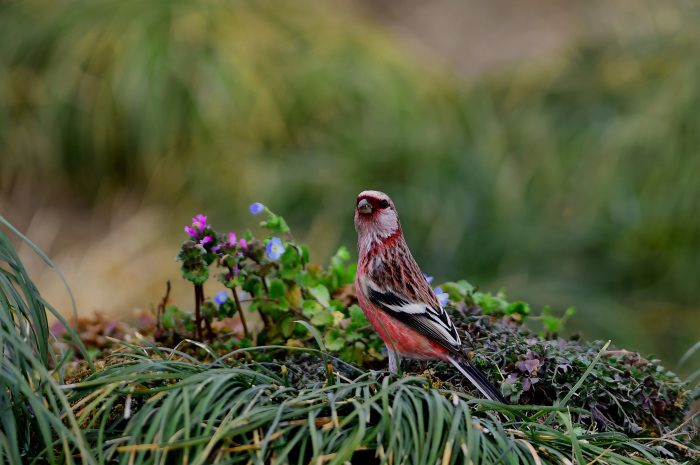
240	312
198	301
161	307
266	321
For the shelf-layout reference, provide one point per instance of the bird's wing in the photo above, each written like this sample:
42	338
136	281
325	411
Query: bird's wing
430	320
433	322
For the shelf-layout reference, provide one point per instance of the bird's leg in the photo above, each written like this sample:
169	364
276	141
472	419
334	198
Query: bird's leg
393	361
423	364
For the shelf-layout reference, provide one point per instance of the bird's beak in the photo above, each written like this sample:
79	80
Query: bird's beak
364	207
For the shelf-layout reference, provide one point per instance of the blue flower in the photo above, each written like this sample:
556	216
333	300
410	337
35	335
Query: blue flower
441	296
221	297
274	248
428	278
257	208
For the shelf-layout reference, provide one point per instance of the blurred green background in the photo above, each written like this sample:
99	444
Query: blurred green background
552	151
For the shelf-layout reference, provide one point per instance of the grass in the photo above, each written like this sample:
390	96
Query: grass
214	414
189	412
36	415
145	404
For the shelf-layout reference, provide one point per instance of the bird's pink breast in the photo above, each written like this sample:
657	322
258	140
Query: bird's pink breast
407	341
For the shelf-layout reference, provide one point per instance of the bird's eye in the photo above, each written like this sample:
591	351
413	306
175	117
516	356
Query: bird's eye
383	204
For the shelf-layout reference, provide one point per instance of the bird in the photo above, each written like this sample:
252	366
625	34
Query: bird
397	299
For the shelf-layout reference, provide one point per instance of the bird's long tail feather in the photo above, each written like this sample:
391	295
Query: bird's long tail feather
473	374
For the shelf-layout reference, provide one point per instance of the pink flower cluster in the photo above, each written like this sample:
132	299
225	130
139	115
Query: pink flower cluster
199	225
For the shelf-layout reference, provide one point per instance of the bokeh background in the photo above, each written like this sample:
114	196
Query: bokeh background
547	148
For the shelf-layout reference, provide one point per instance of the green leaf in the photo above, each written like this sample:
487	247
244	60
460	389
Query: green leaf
250	284
289	273
551	324
334	340
333	282
273	222
324	318
489	303
171	316
520	308
277	289
290	257
513	391
283	226
283	305
351	273
302	277
311	306
286	327
198	275
189	322
352	335
460	288
343	253
357	316
321	294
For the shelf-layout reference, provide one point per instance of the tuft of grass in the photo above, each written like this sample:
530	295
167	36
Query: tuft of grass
182	411
36	418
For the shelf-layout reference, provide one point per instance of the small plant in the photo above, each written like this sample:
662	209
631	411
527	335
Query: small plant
270	277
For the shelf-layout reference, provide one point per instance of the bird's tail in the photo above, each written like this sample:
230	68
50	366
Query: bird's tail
473	374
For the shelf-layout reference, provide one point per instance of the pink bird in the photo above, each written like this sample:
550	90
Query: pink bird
398	300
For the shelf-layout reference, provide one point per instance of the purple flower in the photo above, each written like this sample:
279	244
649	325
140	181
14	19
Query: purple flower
274	248
221	297
199	222
229	276
441	296
231	242
244	243
257	208
428	278
205	240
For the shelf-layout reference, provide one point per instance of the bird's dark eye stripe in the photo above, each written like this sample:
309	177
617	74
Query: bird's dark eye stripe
383	204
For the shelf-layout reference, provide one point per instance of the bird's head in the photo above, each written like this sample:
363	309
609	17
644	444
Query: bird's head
375	215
